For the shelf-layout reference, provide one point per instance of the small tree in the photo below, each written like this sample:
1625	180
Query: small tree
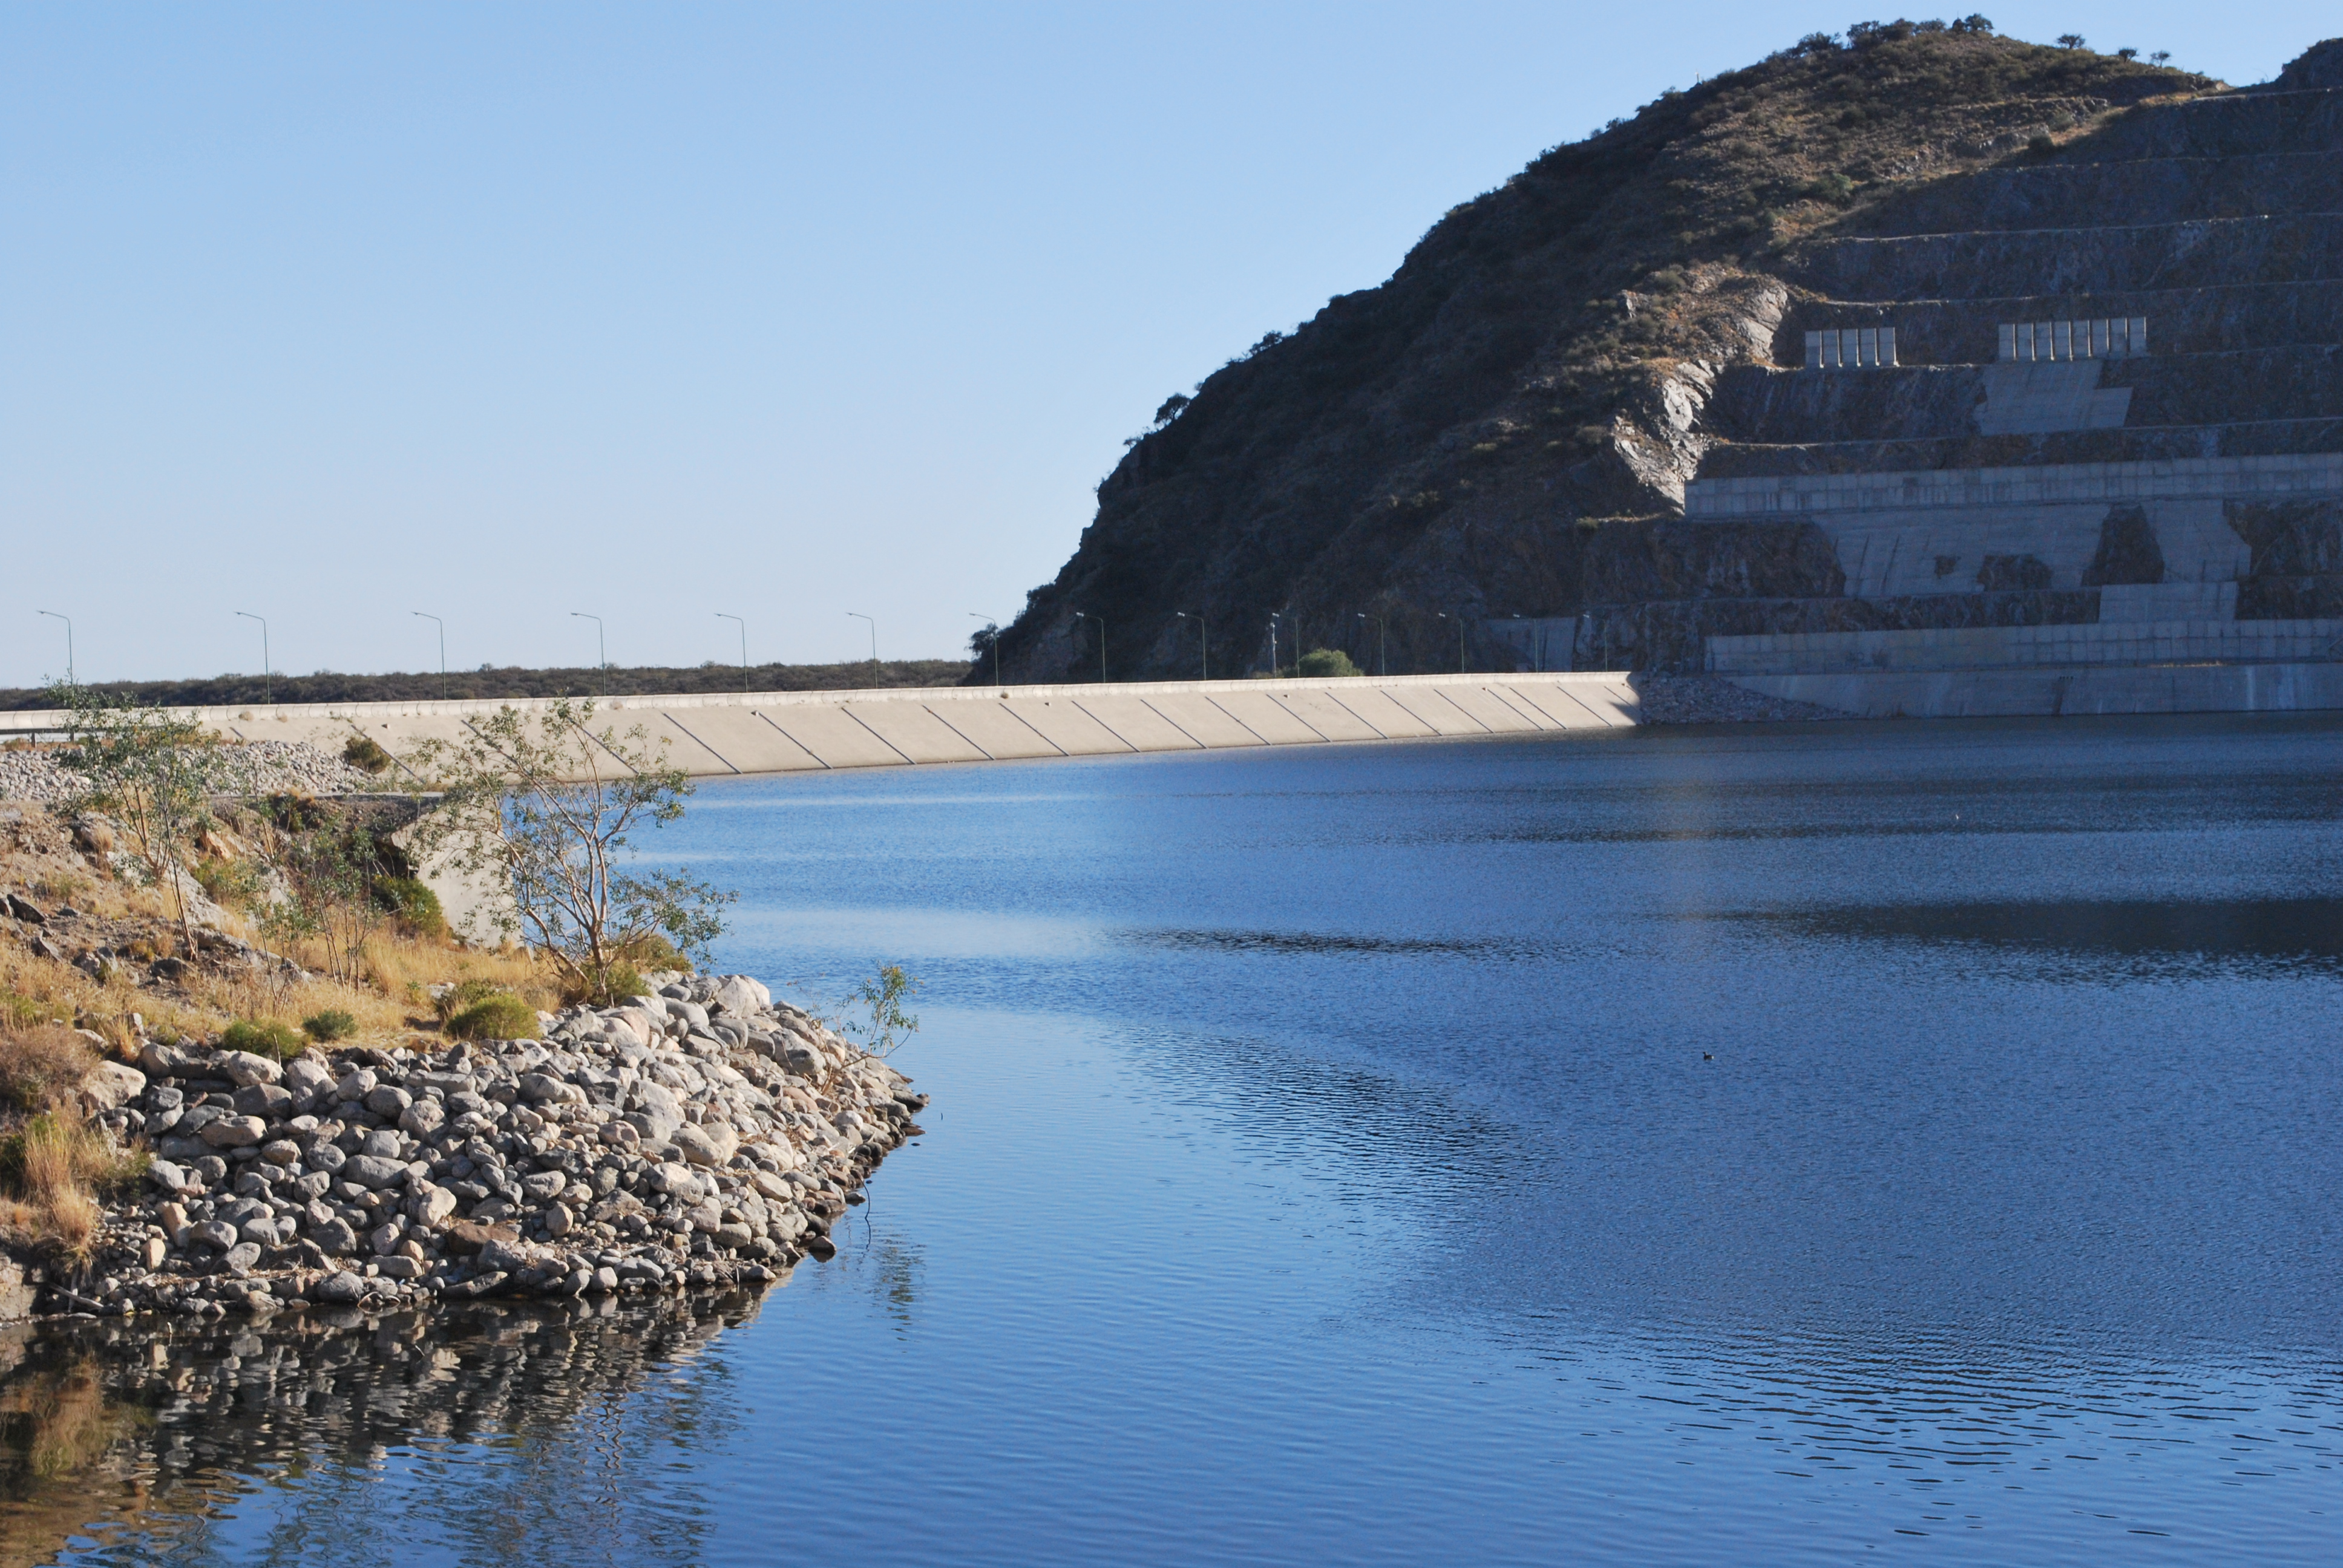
884	994
329	870
545	807
154	773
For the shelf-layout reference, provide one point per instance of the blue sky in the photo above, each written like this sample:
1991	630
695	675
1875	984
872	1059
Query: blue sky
337	313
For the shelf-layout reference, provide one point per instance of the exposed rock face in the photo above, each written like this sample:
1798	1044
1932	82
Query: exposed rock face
1497	430
706	1135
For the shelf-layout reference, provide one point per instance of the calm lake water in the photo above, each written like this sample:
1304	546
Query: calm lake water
1806	1145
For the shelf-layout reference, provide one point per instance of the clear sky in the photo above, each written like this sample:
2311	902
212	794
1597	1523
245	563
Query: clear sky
335	312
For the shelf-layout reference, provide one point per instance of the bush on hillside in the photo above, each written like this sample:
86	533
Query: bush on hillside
413	904
330	1025
1324	663
262	1036
503	1016
366	754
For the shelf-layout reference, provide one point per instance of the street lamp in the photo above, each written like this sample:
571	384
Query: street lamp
1382	664
264	688
443	651
602	648
1205	633
1081	615
858	615
1272	643
992	625
1459	619
69	656
744	645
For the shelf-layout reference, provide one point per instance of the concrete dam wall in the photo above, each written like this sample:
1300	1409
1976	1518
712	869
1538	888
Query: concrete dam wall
724	735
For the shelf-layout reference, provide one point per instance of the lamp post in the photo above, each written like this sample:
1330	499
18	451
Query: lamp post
1083	615
601	647
1272	642
744	645
443	650
1383	663
858	615
1205	662
69	654
1459	619
992	625
266	688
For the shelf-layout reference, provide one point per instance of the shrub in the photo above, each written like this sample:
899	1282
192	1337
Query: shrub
413	904
622	980
2040	142
503	1016
332	1024
366	754
262	1036
40	1066
1324	663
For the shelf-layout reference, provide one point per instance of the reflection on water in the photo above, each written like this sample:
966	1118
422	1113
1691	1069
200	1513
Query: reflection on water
1746	1147
141	1442
2223	929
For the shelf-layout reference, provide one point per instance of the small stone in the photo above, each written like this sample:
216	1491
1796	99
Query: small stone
543	1185
432	1206
401	1268
260	1230
422	1119
165	1175
213	1234
671	1179
385	1239
558	1219
281	1151
383	1144
243	1258
356	1084
606	1280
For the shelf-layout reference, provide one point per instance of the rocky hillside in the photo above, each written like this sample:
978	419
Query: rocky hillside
1523	401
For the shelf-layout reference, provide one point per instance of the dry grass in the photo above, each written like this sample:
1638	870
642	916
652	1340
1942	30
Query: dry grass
53	1168
39	1066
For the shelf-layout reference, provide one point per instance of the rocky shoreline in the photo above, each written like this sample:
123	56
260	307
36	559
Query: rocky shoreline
703	1136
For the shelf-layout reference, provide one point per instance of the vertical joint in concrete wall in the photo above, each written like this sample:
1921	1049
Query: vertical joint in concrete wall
2008	342
1838	348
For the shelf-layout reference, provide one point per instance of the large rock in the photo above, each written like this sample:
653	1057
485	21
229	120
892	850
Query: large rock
740	996
338	1289
372	1170
266	1101
656	1112
466	1236
710	1143
544	1089
673	1180
109	1086
235	1132
334	1237
305	1076
243	1069
216	1234
388	1101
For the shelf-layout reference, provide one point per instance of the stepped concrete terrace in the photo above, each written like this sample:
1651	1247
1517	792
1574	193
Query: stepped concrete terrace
725	735
2102	472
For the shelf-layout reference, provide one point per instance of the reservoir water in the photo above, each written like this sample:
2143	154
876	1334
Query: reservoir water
1829	1144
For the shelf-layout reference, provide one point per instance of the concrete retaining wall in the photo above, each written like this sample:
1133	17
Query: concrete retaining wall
2072	690
1987	648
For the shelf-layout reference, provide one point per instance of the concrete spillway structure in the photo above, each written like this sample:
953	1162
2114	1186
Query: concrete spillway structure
2088	435
814	731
